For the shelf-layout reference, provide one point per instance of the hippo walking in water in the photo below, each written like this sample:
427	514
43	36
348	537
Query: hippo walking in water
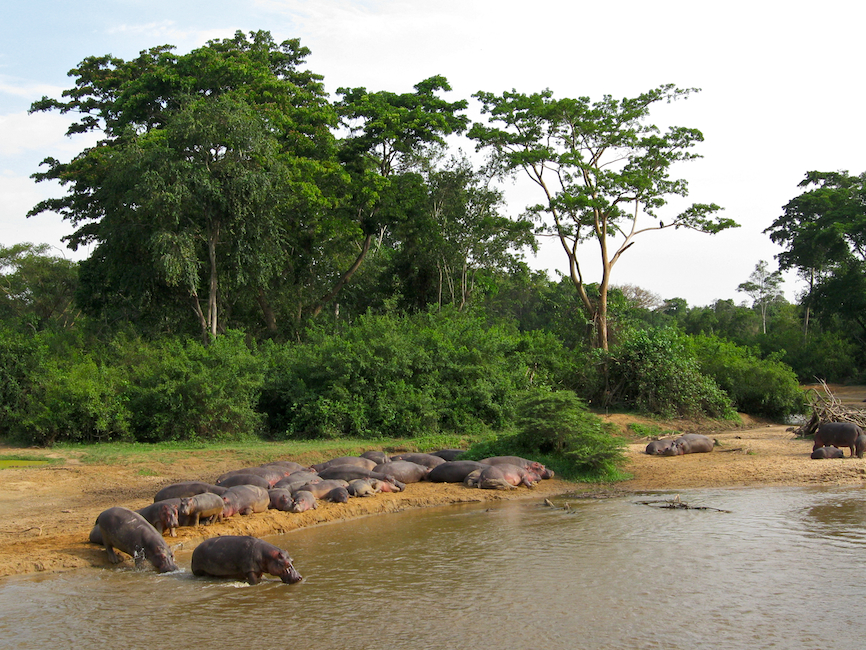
127	531
839	434
244	558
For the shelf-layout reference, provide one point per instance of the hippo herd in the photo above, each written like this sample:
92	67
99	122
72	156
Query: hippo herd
289	487
830	440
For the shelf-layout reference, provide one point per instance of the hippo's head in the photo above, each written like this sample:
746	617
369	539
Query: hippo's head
675	449
278	563
163	560
168	514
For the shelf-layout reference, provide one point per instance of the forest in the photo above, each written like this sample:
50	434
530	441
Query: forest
270	262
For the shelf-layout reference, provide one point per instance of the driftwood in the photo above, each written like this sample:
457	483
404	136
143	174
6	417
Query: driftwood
828	408
676	504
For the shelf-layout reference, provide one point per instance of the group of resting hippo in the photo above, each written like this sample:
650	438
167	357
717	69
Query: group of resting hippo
830	439
290	487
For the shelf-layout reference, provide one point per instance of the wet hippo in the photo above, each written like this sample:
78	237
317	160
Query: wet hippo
828	452
838	434
375	455
206	507
242	558
243	479
352	461
322	488
403	470
449	454
658	447
453	471
689	443
245	500
348	473
363	487
187	489
303	500
128	531
427	460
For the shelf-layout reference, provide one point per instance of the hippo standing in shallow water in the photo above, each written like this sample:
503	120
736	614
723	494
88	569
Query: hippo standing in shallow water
839	434
243	558
828	452
131	533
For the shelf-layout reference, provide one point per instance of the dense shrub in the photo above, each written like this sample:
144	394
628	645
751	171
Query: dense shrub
656	371
402	376
757	386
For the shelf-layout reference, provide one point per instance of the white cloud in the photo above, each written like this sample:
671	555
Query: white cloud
39	132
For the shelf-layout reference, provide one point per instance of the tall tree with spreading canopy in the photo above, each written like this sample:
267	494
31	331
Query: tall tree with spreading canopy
823	231
764	287
604	173
207	163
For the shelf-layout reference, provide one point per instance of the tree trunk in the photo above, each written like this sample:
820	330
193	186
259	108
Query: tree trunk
324	300
267	312
212	291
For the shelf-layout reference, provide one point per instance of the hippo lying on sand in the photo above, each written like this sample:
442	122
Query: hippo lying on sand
689	443
243	558
658	447
828	452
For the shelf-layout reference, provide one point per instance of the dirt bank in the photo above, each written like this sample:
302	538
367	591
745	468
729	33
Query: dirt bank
47	512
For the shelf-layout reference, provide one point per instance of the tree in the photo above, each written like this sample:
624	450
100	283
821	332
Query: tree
208	162
823	231
37	289
764	289
603	171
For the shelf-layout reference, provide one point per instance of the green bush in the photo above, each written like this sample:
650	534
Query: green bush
656	371
765	387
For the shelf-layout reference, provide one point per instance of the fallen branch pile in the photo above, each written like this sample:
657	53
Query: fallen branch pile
828	408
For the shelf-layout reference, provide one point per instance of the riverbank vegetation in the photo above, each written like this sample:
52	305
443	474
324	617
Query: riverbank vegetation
271	265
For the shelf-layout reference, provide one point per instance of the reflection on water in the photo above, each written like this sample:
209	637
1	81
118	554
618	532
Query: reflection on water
606	574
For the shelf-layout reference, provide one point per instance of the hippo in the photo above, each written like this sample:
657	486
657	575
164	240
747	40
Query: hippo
860	445
288	465
839	434
348	473
270	474
352	461
501	477
338	495
245	499
376	456
427	460
187	489
280	499
383	486
448	454
207	507
533	465
658	447
363	487
131	533
828	452
244	479
689	443
303	500
322	488
453	471
403	470
243	558
162	515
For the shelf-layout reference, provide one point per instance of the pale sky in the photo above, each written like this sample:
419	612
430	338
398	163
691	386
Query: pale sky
781	95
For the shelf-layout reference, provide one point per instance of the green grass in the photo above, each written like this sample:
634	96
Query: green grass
651	430
18	460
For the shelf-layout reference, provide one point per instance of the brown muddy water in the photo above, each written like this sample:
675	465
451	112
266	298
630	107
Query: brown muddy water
783	567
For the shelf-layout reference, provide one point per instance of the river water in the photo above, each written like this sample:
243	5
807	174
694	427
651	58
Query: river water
781	568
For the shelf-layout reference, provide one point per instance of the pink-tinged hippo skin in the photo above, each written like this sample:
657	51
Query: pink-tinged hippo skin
403	470
827	452
206	507
187	489
353	461
658	447
321	488
363	487
533	465
242	558
501	477
839	434
454	471
128	531
303	500
427	460
245	500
